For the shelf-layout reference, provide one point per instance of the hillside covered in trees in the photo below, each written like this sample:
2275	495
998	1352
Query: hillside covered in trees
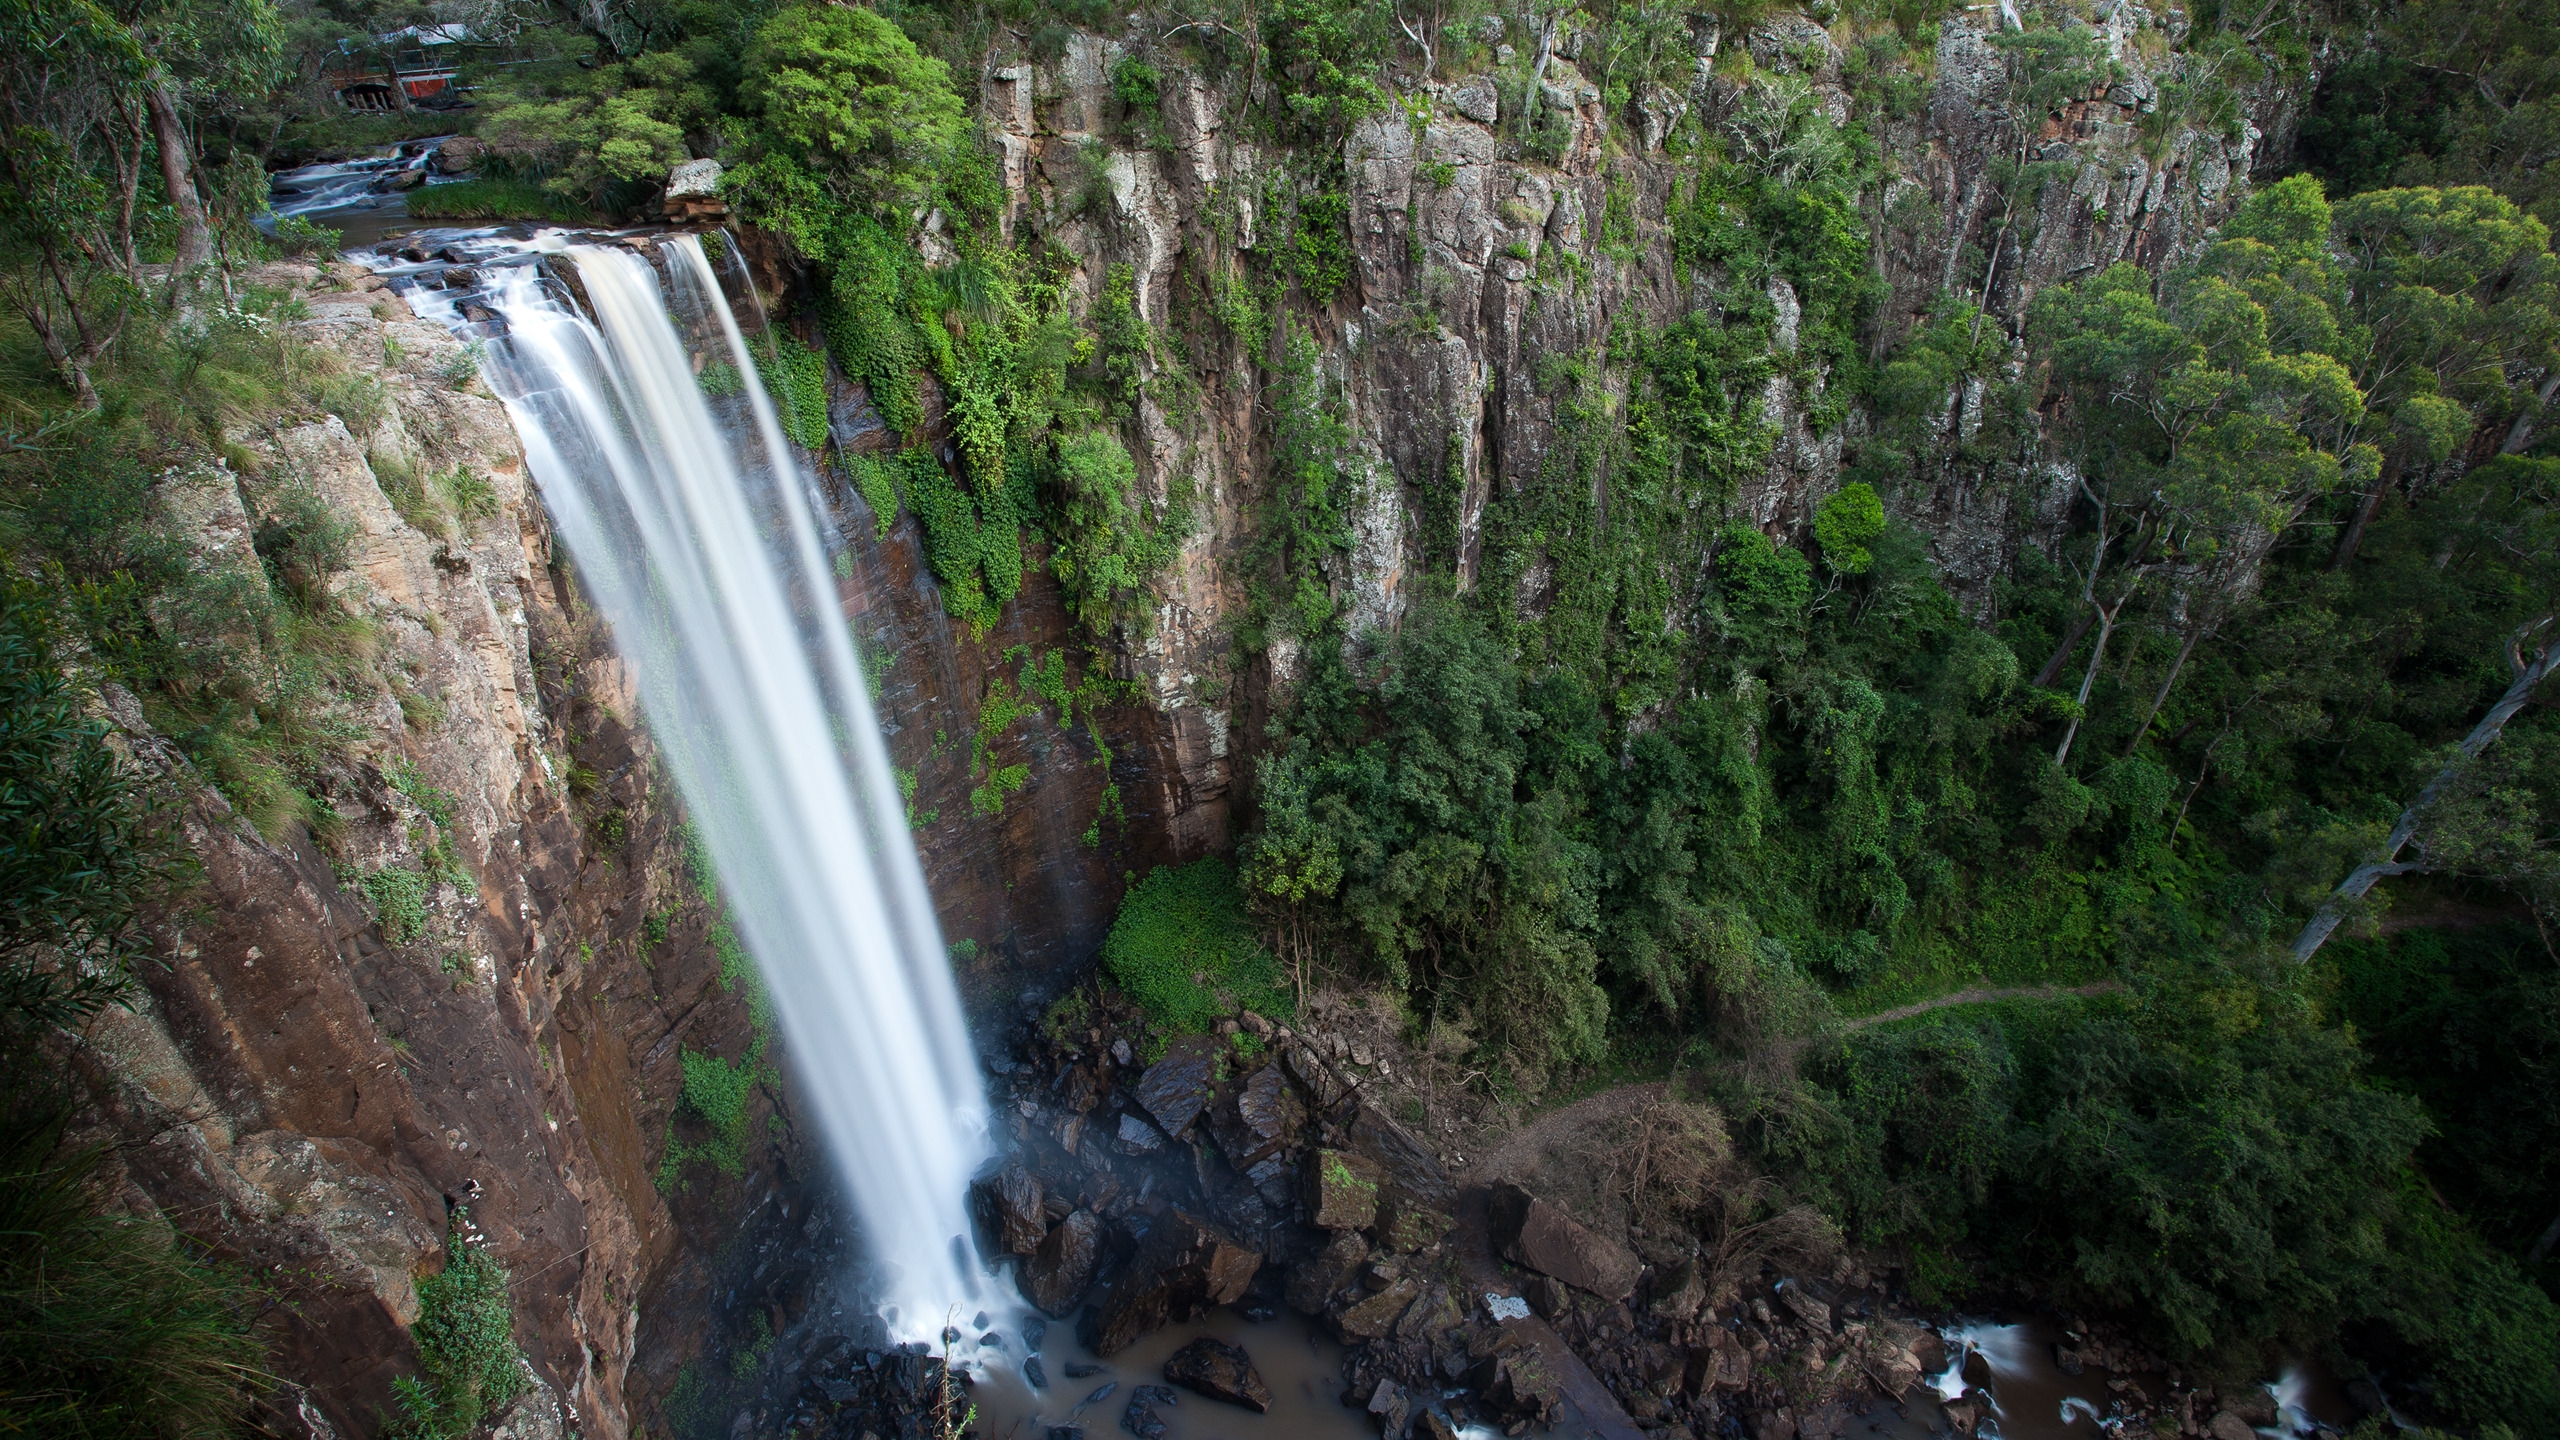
1639	538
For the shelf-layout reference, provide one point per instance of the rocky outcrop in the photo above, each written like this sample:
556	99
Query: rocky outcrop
435	1003
1531	1232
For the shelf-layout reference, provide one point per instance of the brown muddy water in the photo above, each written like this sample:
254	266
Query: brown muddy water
1301	1365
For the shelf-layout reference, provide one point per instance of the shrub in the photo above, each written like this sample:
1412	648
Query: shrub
110	1327
80	853
399	898
468	1364
1185	950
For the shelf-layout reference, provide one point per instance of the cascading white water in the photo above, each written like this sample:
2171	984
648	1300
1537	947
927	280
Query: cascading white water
693	534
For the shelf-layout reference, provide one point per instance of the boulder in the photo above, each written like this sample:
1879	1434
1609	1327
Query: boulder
1719	1364
1407	1165
1220	1371
1547	1295
1058	1273
2254	1404
1807	1308
1265	1118
2228	1426
1176	1088
1392	1407
1139	1418
1340	1191
693	192
1405	1224
1376	1315
458	156
1137	1137
1181	1267
1520	1382
1679	1288
1009	1205
1529	1231
1316	1279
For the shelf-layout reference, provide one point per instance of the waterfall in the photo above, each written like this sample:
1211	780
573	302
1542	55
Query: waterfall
692	530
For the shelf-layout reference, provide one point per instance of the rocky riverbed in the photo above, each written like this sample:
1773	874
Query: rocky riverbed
1146	1185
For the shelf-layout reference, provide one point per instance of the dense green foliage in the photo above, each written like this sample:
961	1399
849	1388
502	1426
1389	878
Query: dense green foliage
111	1326
468	1364
1185	950
82	853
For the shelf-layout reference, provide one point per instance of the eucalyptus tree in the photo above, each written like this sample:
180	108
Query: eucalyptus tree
2502	524
2200	421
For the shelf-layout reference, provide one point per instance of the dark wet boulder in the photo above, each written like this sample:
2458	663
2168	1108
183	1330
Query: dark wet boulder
1140	1417
1176	1088
1340	1190
1035	1374
1010	1209
1679	1288
1182	1267
1082	1370
1376	1315
1263	1120
1058	1273
1407	1164
1529	1231
1392	1407
1220	1371
1137	1137
1315	1279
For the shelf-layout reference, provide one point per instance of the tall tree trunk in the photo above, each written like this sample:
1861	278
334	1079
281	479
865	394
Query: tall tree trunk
2347	543
2052	670
2162	698
2386	861
177	173
2089	677
2521	433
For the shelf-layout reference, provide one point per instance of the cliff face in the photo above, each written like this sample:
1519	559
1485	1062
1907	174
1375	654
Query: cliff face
322	1093
317	1087
1473	266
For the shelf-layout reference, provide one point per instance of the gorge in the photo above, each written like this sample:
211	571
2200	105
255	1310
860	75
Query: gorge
1617	718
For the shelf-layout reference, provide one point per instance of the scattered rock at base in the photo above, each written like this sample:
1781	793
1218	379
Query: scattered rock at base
1806	1307
2228	1426
1313	1284
1220	1371
1176	1088
1139	1418
1137	1137
1182	1267
1009	1206
1392	1407
1061	1269
1341	1191
1529	1231
1376	1315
